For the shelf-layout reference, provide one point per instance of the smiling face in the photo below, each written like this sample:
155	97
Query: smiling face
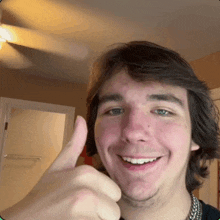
143	136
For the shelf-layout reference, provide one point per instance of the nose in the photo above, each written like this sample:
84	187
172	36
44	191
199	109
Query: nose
135	127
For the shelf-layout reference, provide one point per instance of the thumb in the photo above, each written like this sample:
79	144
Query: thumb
69	155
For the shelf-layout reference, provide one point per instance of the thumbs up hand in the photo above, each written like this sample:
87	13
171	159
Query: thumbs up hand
69	192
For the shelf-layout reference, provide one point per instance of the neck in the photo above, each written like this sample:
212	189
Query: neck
171	206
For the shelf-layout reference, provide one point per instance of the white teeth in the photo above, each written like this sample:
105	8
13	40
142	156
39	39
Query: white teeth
138	161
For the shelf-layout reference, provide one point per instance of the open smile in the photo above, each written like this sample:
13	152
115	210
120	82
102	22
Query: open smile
139	164
141	161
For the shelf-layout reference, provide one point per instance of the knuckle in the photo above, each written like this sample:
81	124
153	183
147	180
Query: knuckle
84	174
82	192
84	202
108	207
85	169
84	195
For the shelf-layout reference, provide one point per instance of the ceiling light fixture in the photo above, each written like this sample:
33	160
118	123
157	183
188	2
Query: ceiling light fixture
2	39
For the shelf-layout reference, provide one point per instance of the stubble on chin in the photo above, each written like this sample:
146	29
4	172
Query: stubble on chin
148	202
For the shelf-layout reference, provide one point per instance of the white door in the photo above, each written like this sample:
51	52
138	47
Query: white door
32	135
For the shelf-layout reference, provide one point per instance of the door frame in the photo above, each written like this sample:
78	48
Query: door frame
6	104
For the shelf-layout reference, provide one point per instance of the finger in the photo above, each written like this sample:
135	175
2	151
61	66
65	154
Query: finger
87	176
91	204
69	155
108	209
108	187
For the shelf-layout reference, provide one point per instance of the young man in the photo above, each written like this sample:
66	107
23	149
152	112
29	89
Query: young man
154	126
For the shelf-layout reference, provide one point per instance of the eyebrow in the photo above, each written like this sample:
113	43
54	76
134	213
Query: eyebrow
166	97
110	98
152	97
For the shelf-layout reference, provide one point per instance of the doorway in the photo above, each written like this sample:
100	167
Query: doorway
33	135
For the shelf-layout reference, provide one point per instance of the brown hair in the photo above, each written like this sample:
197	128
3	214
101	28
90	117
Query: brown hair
146	61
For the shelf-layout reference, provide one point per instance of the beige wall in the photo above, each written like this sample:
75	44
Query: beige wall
206	65
33	88
213	196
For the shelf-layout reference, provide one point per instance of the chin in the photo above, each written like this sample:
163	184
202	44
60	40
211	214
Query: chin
138	192
137	200
139	197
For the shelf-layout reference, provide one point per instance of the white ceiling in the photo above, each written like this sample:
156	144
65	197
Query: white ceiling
59	39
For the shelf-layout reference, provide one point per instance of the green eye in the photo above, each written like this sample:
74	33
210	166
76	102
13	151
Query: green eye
115	111
163	112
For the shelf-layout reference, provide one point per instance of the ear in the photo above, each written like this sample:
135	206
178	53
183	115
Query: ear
194	146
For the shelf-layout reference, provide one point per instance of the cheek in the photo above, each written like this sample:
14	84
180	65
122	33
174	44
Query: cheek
106	133
175	136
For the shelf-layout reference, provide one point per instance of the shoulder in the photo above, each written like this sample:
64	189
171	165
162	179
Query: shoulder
209	212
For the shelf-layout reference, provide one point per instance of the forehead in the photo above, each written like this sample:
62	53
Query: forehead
123	84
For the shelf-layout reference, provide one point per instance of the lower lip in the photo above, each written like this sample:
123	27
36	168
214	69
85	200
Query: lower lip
139	167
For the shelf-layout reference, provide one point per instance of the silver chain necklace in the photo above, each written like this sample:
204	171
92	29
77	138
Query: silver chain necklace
196	209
